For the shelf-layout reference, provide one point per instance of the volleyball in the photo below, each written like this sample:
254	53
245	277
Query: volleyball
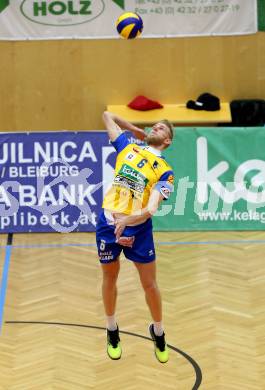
129	25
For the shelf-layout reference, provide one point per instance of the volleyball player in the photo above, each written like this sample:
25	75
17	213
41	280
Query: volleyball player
142	180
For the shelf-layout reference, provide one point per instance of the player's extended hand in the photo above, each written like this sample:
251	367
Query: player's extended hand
120	224
126	241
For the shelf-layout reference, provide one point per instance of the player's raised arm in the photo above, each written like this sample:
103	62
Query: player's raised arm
115	124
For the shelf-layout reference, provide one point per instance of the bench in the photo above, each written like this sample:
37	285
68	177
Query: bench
178	114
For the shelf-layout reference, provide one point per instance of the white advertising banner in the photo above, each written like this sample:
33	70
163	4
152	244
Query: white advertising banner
95	19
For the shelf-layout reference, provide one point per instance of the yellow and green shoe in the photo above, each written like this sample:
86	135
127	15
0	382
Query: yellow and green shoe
161	349
113	344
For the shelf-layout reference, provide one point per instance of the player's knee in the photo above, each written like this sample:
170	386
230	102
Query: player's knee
109	281
150	286
110	273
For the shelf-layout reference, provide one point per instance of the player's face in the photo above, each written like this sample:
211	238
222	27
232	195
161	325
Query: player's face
159	135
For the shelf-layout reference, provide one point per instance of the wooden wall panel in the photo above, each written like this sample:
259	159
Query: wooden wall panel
54	85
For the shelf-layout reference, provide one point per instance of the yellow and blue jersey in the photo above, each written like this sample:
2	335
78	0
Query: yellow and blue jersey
137	172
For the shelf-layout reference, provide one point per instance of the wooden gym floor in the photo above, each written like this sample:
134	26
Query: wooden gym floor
213	289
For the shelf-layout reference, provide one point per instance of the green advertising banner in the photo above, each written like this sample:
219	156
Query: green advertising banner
261	15
219	180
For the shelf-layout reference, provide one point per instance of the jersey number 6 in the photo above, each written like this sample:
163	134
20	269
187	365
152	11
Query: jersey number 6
141	163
